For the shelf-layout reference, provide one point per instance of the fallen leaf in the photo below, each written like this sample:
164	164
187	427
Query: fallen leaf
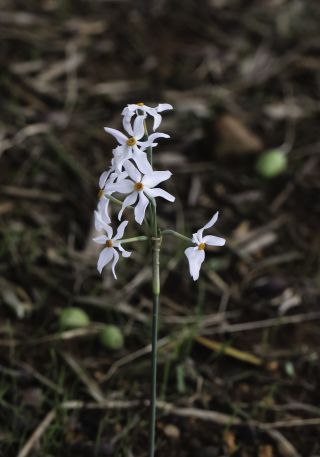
235	138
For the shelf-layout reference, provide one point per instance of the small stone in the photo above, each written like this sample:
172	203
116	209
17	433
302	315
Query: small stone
172	431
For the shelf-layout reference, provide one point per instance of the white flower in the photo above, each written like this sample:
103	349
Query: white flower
137	108
132	147
110	253
106	177
140	187
196	255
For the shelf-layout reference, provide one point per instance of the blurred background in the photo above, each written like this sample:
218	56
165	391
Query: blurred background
239	349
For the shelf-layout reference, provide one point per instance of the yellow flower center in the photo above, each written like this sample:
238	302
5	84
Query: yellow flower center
140	104
109	243
138	186
100	194
131	141
201	246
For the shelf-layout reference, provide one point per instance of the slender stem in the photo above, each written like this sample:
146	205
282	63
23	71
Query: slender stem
149	149
156	243
176	234
115	200
155	313
135	238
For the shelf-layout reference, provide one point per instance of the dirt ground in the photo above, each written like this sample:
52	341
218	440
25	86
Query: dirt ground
239	349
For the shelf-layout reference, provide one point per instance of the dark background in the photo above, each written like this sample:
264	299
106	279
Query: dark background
243	77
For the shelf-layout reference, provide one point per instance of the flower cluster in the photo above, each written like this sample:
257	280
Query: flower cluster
131	175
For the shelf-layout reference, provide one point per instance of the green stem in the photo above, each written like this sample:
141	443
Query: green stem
115	200
135	238
156	242
149	149
176	234
155	312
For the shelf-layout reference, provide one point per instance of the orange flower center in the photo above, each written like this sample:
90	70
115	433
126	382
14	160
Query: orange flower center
109	243
131	141
201	246
138	186
140	104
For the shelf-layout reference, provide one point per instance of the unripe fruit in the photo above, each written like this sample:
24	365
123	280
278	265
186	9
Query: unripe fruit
111	337
272	163
71	318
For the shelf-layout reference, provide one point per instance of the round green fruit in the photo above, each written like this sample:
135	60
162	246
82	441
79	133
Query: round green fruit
111	337
272	163
71	318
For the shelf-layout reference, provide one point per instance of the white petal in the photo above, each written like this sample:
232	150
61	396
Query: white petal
100	239
104	258
120	157
103	206
164	107
138	127
120	230
115	260
195	258
156	120
141	160
132	171
126	122
195	238
129	200
212	240
102	223
119	136
103	178
212	221
156	177
157	192
151	139
129	110
119	176
209	224
124	252
140	209
125	186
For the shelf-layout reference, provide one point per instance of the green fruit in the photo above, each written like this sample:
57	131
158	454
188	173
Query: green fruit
111	337
72	317
272	163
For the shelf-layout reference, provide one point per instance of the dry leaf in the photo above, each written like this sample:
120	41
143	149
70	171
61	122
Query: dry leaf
235	138
266	450
229	440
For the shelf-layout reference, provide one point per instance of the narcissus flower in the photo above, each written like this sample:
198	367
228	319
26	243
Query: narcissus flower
111	244
108	176
196	255
131	147
140	187
138	108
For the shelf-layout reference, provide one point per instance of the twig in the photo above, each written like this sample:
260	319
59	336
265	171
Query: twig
36	435
277	321
93	388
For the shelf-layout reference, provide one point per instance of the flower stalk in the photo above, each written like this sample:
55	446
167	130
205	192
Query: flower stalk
131	175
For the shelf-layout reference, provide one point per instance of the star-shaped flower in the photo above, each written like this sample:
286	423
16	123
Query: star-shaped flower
107	177
139	187
196	255
137	108
109	253
131	147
